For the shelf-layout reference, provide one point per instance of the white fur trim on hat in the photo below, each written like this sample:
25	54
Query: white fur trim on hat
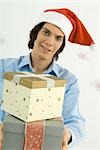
57	19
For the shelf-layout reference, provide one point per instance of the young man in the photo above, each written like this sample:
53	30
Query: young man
47	39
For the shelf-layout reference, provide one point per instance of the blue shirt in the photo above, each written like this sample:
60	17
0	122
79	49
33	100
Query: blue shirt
72	117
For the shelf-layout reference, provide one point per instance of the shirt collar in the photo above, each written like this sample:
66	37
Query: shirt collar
25	60
53	68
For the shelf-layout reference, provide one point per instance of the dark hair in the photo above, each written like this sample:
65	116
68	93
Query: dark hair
33	36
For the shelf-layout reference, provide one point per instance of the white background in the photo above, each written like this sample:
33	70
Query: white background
16	21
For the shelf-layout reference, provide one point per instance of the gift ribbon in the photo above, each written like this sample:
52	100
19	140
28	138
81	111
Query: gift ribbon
34	135
50	82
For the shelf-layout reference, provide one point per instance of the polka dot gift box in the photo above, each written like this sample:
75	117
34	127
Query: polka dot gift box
36	135
32	97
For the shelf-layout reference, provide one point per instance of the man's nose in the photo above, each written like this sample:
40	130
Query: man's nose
50	41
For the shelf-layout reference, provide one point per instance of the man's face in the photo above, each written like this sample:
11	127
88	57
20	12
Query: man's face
48	42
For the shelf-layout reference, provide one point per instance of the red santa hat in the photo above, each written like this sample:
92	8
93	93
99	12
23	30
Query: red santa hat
69	23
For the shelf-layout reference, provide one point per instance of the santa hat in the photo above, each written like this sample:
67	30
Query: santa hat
69	23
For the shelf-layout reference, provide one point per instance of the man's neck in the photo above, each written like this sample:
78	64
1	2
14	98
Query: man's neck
39	65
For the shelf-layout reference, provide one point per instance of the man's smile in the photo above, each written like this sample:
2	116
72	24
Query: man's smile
46	49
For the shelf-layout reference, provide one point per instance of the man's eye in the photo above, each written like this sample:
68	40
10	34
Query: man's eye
46	32
59	38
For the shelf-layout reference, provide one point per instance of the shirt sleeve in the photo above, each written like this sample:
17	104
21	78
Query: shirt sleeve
2	113
72	117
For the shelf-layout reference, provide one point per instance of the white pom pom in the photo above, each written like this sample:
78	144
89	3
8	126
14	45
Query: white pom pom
93	47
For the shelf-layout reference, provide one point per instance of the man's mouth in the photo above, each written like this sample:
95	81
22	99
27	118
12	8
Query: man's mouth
46	49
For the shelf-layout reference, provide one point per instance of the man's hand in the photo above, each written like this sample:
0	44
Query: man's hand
1	136
66	138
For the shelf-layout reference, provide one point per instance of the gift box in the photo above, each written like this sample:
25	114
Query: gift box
32	97
37	135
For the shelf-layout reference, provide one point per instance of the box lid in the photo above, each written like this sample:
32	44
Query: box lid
32	80
52	126
13	124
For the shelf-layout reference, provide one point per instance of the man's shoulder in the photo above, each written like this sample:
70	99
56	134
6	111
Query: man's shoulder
7	63
65	73
10	59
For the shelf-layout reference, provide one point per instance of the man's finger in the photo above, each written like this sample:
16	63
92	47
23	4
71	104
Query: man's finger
64	147
1	136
